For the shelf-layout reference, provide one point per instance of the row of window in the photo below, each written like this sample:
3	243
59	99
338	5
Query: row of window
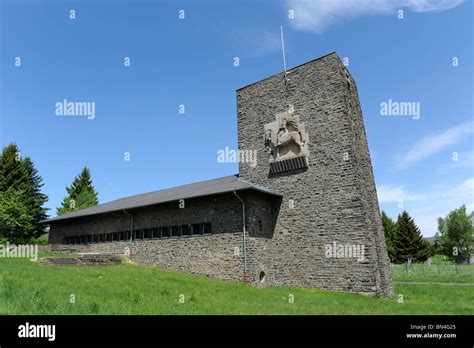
149	233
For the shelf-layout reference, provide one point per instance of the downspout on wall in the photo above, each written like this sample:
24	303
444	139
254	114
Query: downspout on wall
244	238
131	233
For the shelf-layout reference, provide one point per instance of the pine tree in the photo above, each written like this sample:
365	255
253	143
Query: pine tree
81	194
409	244
21	185
15	216
390	229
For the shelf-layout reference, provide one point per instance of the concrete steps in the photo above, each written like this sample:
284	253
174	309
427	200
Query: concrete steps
84	259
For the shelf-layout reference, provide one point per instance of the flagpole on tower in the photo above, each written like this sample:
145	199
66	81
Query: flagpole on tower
283	53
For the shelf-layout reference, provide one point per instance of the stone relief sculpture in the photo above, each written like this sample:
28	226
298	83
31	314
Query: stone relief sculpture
286	138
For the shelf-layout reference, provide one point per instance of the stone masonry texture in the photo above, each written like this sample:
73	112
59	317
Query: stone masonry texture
334	200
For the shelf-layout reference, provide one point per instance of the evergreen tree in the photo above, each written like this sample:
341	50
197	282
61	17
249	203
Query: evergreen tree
390	229
15	216
456	233
408	242
20	186
81	194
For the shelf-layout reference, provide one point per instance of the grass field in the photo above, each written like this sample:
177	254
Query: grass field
440	271
27	287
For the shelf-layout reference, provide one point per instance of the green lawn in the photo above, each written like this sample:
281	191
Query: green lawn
30	288
441	271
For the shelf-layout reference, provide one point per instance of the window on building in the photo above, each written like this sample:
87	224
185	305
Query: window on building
155	233
207	228
82	239
109	237
95	238
102	237
260	226
138	234
123	235
66	240
175	231
147	233
196	229
165	232
185	230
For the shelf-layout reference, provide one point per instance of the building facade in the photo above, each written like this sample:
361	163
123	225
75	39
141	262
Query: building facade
304	214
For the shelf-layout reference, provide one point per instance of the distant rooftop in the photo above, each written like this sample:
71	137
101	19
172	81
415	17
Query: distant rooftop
203	188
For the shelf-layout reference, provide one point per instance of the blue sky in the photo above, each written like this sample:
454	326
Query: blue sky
190	61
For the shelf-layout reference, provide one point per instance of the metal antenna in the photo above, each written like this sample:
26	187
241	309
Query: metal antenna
283	53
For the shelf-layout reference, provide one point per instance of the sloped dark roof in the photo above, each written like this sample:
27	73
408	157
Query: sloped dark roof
203	188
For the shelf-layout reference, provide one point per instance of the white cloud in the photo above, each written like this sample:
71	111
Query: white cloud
426	208
317	15
433	144
261	43
465	187
387	194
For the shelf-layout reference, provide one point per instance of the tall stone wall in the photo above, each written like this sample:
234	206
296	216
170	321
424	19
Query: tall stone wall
333	200
213	255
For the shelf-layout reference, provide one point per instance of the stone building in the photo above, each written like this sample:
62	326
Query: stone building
305	215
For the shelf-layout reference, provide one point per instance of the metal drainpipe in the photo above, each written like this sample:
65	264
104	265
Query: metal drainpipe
246	278
131	233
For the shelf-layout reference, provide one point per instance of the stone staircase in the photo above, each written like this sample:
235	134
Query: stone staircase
85	259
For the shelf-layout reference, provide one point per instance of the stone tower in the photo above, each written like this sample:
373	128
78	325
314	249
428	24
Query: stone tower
308	131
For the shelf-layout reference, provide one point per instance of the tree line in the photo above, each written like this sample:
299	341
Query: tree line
22	202
454	238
